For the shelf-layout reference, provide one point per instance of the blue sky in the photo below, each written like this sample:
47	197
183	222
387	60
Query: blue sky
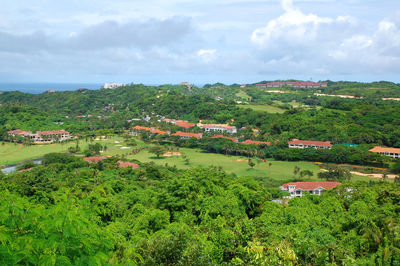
200	41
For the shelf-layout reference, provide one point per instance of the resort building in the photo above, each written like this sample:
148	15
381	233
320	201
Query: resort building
303	144
218	128
391	152
42	136
186	135
296	189
136	130
236	140
255	142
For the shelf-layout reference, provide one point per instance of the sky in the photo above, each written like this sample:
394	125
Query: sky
200	41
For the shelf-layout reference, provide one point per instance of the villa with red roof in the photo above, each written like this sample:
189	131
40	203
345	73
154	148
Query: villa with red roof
187	135
255	142
391	152
296	189
42	136
225	137
218	128
303	144
152	130
180	123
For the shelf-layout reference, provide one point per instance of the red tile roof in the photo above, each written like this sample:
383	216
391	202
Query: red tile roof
94	159
185	124
128	164
311	142
312	185
151	130
52	132
255	142
186	134
224	137
378	149
19	132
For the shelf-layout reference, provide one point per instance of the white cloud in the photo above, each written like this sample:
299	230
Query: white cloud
206	54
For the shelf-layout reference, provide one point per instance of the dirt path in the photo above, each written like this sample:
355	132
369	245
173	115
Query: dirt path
20	146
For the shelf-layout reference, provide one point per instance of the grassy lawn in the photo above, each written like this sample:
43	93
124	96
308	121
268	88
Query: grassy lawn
243	95
11	153
279	170
263	108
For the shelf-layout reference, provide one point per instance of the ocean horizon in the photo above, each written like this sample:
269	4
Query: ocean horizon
38	88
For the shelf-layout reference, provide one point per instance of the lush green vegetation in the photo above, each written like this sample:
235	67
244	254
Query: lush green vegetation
70	212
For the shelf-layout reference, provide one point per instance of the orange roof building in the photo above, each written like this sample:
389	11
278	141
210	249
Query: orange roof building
391	152
152	130
186	135
255	142
302	144
224	137
296	189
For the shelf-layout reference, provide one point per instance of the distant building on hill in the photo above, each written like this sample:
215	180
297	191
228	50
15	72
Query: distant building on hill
302	144
391	152
112	85
294	84
41	137
296	189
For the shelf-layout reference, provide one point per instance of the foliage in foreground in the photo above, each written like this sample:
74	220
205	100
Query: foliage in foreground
71	213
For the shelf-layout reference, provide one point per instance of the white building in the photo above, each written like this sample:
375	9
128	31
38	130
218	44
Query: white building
391	152
112	85
219	128
296	189
303	144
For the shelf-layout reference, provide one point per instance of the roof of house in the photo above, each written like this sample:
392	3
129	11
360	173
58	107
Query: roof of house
128	164
94	159
312	185
52	132
379	149
311	142
185	124
187	134
19	132
225	137
151	130
255	142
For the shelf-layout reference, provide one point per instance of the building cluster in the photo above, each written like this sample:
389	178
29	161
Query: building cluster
112	85
296	189
135	131
303	144
294	84
220	128
41	136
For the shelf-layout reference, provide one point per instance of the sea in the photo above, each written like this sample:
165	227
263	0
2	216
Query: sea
38	88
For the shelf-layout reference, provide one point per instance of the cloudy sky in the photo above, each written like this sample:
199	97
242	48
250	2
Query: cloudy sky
201	41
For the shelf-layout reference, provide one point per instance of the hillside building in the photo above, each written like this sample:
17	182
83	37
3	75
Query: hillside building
303	144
